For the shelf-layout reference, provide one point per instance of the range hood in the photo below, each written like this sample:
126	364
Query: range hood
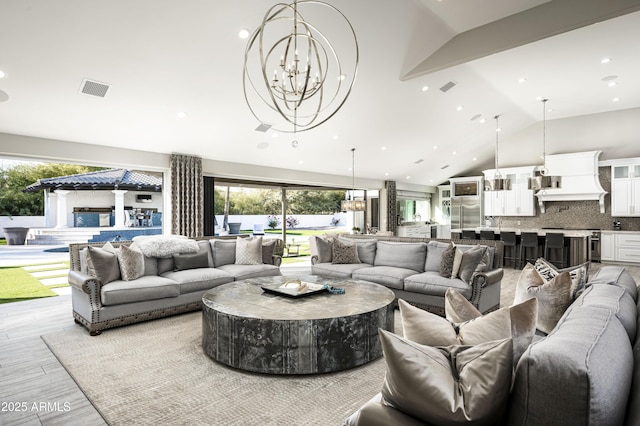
580	179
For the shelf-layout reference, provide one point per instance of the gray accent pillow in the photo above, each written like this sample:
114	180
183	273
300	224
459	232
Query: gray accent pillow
102	263
325	249
447	385
223	251
191	260
446	261
366	249
344	252
554	296
131	261
401	255
434	255
249	251
268	246
470	261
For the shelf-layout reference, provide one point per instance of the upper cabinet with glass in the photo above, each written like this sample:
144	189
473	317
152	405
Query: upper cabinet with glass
625	187
517	201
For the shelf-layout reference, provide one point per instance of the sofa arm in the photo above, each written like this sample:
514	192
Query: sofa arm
314	259
489	278
485	290
86	283
276	260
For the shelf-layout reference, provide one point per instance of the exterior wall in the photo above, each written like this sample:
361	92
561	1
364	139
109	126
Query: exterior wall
305	221
21	221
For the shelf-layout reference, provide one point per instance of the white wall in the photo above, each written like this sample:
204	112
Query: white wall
22	222
305	221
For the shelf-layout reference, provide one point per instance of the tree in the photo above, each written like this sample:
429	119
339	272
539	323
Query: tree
14	179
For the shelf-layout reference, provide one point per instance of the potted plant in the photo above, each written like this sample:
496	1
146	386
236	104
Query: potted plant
14	235
355	230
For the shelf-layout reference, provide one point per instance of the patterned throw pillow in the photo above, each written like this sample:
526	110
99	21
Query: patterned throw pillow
446	263
131	262
579	274
344	252
249	251
102	263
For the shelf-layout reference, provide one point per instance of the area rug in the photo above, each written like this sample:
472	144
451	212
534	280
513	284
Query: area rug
157	373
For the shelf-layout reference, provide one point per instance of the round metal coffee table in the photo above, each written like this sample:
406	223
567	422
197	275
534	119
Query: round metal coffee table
250	329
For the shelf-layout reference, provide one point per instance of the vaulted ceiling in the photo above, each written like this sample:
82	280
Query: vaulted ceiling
161	58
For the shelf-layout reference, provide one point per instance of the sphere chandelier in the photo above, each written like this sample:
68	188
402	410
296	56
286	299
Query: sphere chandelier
293	77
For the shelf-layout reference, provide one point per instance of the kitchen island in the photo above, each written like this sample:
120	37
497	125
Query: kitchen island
578	241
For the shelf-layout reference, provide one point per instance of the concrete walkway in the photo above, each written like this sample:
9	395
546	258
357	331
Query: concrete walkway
30	255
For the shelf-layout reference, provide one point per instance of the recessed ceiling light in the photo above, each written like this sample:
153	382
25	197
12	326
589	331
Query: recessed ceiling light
522	80
336	137
274	135
459	108
454	153
483	120
300	162
425	88
616	99
611	83
408	177
342	77
605	60
244	33
435	147
182	115
474	159
430	180
2	74
386	174
383	148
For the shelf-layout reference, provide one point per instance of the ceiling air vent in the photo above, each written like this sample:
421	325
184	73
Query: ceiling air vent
447	86
94	88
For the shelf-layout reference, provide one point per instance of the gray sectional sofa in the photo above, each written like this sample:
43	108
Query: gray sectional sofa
586	372
411	268
168	285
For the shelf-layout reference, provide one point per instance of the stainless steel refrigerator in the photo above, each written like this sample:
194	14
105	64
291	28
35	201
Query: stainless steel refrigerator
466	212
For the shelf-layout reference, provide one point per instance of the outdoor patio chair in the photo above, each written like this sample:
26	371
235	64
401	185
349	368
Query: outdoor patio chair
258	229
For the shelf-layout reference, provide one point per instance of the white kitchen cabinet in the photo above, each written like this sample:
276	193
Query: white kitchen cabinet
625	190
517	201
620	246
608	246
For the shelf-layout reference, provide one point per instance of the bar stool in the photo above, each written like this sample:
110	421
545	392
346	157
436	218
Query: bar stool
529	242
509	240
487	235
554	243
468	235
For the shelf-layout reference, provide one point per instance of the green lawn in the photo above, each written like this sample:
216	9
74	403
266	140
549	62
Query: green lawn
16	284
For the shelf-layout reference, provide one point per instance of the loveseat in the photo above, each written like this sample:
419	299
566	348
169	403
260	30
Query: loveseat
410	267
586	371
121	283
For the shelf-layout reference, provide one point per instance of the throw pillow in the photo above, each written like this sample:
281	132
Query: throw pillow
344	252
457	308
434	255
325	249
554	296
451	385
470	261
102	263
446	262
249	251
268	247
517	322
191	260
579	274
457	260
131	262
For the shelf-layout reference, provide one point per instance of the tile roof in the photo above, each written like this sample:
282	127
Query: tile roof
102	180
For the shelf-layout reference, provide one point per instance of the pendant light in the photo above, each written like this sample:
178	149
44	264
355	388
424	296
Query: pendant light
351	204
497	183
542	180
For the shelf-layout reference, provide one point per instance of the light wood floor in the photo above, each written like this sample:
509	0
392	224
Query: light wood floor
30	373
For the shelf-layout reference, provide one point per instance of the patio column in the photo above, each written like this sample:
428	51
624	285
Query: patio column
50	206
61	208
119	208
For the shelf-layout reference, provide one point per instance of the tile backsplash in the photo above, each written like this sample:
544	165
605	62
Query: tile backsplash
574	214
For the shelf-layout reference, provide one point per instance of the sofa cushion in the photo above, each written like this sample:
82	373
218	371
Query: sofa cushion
616	275
131	262
401	255
554	296
385	275
142	289
580	374
242	272
434	255
375	413
324	247
447	260
344	251
578	274
268	247
340	271
447	385
249	251
150	266
102	263
517	322
204	245
432	283
614	298
223	252
198	279
366	249
191	260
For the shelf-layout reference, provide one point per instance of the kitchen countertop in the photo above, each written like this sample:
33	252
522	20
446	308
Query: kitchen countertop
612	231
569	233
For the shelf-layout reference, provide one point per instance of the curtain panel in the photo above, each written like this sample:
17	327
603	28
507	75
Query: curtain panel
392	206
187	194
